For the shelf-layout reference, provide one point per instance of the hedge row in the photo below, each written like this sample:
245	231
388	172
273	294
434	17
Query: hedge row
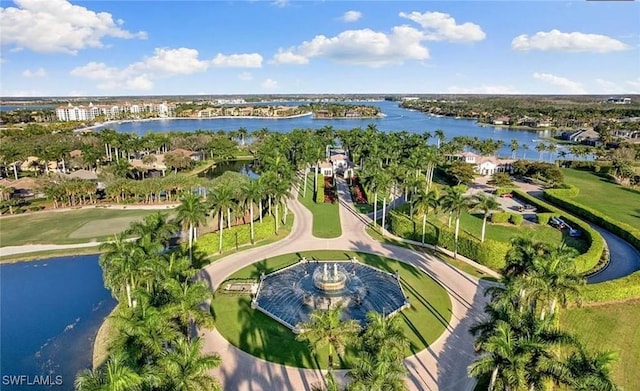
543	218
516	218
616	290
209	243
320	196
500	217
491	253
589	259
625	231
503	190
566	191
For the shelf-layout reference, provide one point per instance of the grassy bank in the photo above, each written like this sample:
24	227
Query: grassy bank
38	255
603	195
257	334
326	216
68	227
611	327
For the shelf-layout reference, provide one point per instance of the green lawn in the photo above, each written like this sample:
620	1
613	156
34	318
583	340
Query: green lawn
326	217
472	224
605	196
611	327
74	226
261	336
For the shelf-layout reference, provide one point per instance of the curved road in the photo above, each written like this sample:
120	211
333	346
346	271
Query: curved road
625	259
442	366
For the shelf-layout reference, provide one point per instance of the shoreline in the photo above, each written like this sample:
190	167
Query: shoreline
107	123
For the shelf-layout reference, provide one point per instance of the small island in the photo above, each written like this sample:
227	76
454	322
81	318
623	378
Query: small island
344	111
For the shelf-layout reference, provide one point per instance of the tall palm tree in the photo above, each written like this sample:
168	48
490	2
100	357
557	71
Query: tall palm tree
440	136
377	373
115	375
221	199
120	262
485	203
555	279
385	334
154	229
455	202
384	186
186	368
191	213
424	202
591	371
186	299
252	195
325	328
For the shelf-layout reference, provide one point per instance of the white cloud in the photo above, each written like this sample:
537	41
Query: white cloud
439	26
568	86
635	86
269	84
57	26
491	90
245	76
164	63
40	72
360	47
288	57
280	3
253	60
25	93
351	16
567	42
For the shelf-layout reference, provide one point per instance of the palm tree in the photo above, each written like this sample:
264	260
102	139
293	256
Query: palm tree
325	328
120	262
253	194
385	334
186	299
440	136
591	371
504	359
555	279
423	202
384	186
378	373
191	213
155	229
186	368
486	204
221	199
514	148
115	375
454	202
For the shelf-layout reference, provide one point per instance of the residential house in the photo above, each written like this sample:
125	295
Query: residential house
501	121
484	165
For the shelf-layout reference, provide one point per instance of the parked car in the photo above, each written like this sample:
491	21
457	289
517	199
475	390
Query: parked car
506	195
574	233
556	222
530	208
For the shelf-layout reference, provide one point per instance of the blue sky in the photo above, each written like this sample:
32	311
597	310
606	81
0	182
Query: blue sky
62	48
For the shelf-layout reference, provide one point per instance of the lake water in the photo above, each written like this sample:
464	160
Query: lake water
241	166
51	312
396	119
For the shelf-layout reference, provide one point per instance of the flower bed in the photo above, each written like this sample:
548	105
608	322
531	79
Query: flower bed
329	190
359	197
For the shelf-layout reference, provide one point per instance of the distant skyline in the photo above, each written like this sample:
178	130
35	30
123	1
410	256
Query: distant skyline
108	48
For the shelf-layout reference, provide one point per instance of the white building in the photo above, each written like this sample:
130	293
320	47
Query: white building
485	165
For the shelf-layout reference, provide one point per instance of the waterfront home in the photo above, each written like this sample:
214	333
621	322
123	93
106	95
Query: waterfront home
501	121
484	165
584	136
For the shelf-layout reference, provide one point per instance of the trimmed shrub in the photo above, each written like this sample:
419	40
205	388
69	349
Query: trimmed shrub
592	256
625	231
503	190
543	218
566	191
615	290
500	217
516	218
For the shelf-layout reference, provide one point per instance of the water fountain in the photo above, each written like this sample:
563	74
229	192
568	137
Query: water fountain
290	295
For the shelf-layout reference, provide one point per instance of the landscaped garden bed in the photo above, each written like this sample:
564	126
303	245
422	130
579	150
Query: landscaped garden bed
329	189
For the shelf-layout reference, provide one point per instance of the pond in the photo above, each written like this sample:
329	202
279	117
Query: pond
241	166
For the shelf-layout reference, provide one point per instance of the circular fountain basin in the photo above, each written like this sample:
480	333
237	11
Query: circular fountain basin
291	294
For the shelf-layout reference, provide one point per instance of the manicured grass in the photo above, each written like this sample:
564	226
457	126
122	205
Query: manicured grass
74	226
326	216
264	233
601	194
611	327
261	336
458	264
472	224
38	255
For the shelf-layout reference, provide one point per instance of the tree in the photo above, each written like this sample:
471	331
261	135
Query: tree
221	199
591	371
186	300
186	369
500	179
384	335
424	201
440	136
325	328
455	202
115	375
253	194
514	148
120	262
177	161
462	172
486	204
191	213
379	373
